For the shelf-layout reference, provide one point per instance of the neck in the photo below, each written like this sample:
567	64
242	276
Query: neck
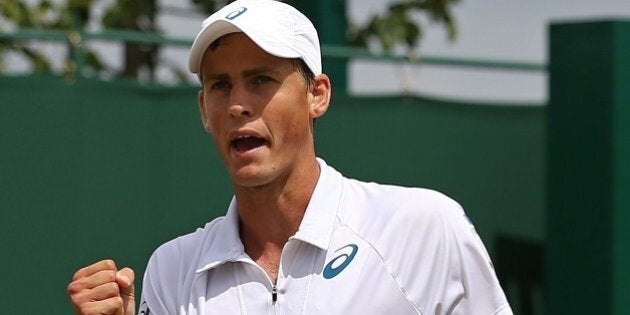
272	213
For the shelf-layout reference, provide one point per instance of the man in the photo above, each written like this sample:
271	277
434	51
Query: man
298	237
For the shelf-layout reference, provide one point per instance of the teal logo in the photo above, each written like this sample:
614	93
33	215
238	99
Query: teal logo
339	263
236	13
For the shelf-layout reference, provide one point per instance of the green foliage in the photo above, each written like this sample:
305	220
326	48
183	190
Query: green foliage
25	17
135	15
21	15
397	26
207	6
45	15
131	15
393	28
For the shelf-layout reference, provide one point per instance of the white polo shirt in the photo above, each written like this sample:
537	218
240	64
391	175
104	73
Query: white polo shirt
361	248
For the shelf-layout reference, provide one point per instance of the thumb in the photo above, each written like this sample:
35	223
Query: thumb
125	278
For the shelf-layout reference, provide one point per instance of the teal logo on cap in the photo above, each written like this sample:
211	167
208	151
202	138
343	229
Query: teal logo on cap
236	13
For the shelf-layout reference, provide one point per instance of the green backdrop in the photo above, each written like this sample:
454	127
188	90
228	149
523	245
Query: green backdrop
96	170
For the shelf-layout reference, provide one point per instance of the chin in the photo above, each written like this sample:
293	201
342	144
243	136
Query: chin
250	176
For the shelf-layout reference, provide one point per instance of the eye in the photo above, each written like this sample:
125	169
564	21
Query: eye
260	79
220	85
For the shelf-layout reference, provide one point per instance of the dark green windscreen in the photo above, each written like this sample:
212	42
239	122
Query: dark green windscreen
99	170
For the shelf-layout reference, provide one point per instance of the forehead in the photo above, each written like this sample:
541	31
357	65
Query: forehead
234	41
238	48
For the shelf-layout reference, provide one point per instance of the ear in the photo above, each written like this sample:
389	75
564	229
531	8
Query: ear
205	119
320	96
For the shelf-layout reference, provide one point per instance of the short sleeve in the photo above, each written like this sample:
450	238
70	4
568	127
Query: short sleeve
157	285
482	293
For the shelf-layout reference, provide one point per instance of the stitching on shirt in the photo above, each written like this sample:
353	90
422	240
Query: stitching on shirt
502	308
378	253
239	292
191	293
391	273
310	280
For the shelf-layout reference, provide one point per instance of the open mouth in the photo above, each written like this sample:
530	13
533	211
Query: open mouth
247	143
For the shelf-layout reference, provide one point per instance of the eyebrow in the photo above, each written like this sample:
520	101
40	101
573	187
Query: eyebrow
246	73
259	70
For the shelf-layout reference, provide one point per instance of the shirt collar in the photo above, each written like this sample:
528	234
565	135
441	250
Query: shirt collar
319	219
226	243
316	227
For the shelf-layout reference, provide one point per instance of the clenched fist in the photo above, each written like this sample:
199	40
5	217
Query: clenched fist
101	289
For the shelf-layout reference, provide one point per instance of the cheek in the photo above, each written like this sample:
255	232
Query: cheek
215	119
293	123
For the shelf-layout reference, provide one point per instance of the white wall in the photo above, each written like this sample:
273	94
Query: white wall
488	30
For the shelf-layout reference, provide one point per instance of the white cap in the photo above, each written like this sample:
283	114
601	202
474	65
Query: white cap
276	27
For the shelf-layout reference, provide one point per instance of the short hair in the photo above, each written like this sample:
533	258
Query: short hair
306	73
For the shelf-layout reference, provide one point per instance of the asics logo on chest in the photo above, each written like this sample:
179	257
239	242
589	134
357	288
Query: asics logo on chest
339	263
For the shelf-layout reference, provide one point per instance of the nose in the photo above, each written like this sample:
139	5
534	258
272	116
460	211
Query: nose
238	104
237	110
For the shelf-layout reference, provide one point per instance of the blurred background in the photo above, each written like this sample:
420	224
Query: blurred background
519	111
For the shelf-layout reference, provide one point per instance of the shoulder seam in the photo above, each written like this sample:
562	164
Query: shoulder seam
385	265
378	253
502	308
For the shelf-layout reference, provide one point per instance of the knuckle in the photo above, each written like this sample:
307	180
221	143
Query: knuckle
110	276
118	302
109	264
73	288
87	310
75	300
78	274
113	288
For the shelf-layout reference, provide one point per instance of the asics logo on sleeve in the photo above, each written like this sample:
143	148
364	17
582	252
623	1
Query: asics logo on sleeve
339	263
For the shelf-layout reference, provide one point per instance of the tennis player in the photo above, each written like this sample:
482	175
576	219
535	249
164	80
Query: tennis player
298	237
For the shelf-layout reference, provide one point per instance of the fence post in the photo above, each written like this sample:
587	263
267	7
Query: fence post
588	209
329	18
